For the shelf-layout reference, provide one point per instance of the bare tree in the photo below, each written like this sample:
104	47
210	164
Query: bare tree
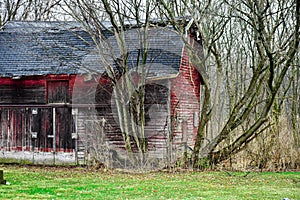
38	10
29	10
253	45
104	20
10	10
250	47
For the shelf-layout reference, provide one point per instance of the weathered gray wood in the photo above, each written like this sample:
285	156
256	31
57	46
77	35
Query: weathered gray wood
23	95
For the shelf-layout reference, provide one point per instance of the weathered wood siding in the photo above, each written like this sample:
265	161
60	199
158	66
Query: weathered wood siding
58	91
22	91
14	129
18	126
185	104
94	106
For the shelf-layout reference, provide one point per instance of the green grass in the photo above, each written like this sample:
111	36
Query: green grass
80	183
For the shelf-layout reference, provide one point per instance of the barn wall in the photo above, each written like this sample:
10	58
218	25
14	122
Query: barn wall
185	97
103	108
90	104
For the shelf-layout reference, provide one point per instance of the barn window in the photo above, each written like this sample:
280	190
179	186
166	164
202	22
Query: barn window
58	91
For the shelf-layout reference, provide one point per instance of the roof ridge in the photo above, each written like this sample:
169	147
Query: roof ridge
38	26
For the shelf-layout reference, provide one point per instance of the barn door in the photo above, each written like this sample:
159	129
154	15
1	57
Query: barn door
41	129
51	129
14	129
61	117
63	135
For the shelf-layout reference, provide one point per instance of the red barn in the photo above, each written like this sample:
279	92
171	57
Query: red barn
54	89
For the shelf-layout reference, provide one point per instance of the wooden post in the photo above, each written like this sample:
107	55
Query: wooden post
2	181
54	134
54	129
184	142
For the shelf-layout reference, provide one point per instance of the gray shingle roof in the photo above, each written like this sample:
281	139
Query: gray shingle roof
42	48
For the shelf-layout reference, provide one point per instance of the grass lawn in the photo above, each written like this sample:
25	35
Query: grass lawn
79	183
